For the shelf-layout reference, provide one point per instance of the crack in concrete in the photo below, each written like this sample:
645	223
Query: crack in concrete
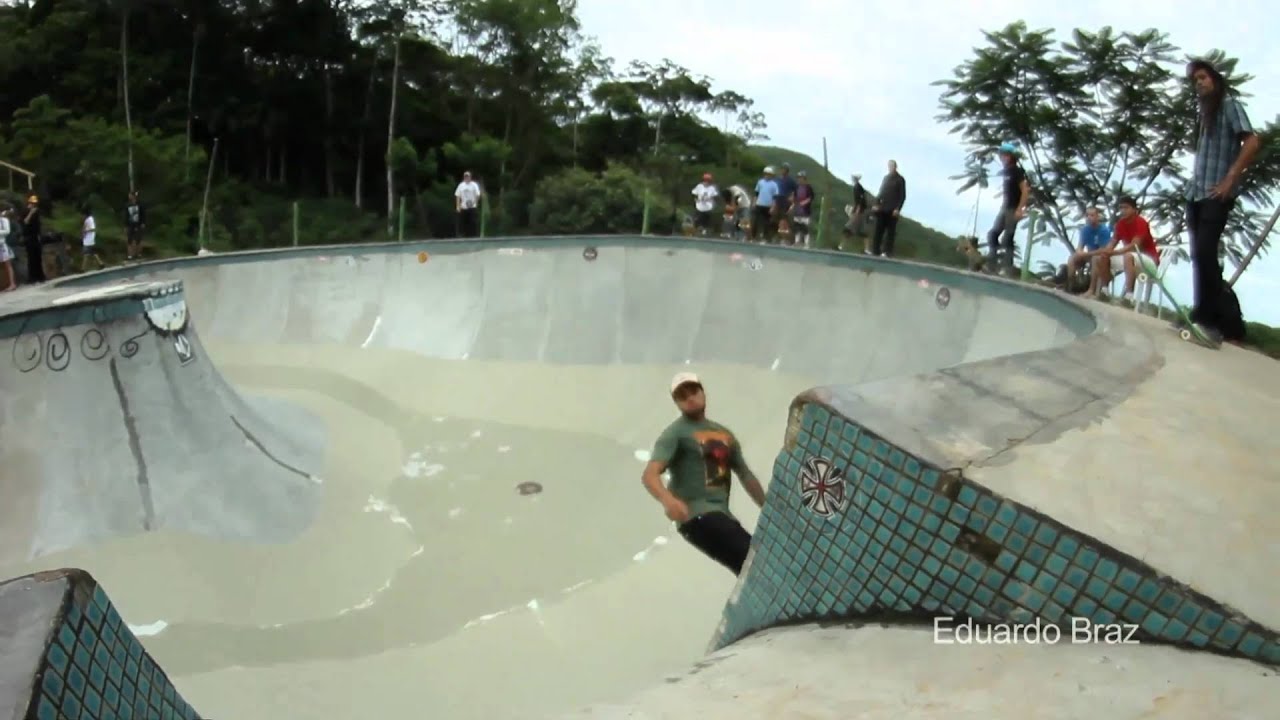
262	449
135	447
1045	423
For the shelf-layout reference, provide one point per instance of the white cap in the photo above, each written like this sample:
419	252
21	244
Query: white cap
768	169
684	378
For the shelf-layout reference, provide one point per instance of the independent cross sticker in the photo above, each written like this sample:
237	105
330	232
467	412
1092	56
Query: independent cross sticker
182	346
589	254
822	489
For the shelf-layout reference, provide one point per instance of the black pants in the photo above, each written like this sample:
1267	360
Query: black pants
468	225
720	537
1206	220
886	233
761	222
35	260
1000	239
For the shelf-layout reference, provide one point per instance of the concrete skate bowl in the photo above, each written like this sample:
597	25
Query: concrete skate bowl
405	478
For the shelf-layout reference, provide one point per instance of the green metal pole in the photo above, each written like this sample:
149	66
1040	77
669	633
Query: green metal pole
484	216
400	235
644	223
822	223
295	223
1026	253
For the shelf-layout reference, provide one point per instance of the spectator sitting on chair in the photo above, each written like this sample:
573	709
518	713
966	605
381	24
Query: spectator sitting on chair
1132	234
1095	236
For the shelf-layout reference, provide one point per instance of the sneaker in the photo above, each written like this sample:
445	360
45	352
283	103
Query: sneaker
1210	332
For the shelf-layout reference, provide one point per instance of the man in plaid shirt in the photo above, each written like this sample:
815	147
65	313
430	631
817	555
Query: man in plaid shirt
1225	147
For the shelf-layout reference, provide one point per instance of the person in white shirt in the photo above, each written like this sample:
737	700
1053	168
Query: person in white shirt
705	196
89	241
466	201
6	255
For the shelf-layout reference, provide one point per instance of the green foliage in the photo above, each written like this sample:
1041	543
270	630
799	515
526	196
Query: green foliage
1264	338
298	96
577	201
1103	115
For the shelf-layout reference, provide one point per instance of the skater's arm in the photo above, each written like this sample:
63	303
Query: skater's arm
749	481
752	485
664	451
652	479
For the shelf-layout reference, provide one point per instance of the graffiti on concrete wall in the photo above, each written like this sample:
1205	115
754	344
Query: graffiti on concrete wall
55	349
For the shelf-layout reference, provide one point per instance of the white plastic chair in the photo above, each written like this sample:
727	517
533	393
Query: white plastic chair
1142	287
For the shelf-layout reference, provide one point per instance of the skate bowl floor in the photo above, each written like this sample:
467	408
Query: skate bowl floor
445	516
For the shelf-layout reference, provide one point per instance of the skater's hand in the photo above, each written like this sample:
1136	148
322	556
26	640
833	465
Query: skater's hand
676	509
1223	189
1020	213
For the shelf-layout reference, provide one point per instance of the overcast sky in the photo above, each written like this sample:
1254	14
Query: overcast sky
860	74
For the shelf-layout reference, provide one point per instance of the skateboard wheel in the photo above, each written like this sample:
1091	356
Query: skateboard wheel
1185	334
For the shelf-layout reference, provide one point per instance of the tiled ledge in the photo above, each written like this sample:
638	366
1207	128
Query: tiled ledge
76	657
869	514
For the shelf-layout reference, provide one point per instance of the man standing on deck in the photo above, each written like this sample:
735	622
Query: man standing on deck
765	208
1017	193
802	209
135	224
889	202
1226	146
466	203
701	455
31	228
705	195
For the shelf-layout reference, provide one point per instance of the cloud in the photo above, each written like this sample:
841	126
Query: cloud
860	73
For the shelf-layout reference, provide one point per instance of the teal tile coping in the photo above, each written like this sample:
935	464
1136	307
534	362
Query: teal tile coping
856	527
112	305
94	667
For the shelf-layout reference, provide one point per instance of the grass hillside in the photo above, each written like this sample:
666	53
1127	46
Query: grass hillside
914	240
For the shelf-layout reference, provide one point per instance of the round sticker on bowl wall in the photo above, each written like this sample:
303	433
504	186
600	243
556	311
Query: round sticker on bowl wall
942	298
590	254
755	264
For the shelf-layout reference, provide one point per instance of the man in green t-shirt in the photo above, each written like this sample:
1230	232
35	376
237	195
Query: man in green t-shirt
701	454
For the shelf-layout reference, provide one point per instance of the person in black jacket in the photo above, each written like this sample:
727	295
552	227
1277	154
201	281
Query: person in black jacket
889	202
31	227
1017	193
135	222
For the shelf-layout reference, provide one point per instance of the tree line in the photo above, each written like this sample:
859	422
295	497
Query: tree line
352	107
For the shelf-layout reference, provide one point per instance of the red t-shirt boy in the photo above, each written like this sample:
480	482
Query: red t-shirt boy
1133	231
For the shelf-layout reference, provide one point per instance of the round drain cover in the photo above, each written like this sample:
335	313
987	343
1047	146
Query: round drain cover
943	298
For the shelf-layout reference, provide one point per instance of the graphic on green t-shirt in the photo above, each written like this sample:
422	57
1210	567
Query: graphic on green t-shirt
701	456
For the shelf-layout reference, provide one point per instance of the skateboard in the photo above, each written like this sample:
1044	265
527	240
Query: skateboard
1188	331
